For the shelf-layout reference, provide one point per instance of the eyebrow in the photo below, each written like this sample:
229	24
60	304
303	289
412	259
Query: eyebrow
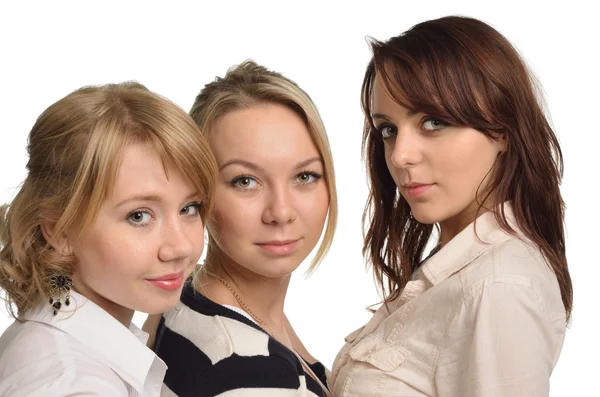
410	113
257	167
151	197
304	163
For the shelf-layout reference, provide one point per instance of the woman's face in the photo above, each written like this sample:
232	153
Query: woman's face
271	199
438	169
145	240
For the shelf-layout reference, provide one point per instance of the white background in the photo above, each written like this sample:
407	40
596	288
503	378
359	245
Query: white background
48	49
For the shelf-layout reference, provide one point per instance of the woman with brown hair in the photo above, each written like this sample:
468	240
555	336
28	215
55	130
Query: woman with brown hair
460	155
108	221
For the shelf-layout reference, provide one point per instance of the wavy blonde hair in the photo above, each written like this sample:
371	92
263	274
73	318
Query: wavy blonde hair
249	84
75	148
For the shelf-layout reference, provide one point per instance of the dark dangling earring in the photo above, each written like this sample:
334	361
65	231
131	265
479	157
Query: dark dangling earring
60	284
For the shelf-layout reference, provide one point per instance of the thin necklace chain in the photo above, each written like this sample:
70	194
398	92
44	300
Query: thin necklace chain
266	326
241	302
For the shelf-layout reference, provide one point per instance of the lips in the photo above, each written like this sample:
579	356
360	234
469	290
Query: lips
168	282
279	247
415	190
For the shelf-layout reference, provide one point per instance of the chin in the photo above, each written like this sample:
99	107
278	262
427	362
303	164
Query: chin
157	305
278	267
157	309
425	217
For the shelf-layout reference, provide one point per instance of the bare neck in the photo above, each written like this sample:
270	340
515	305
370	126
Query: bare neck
453	226
121	314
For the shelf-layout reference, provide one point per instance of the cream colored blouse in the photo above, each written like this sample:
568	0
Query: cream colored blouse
481	317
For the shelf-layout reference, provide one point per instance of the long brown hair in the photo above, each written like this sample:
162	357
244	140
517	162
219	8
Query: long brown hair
75	149
465	73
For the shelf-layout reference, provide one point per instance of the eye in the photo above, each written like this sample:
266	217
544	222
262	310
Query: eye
433	124
307	177
139	217
192	209
387	131
244	182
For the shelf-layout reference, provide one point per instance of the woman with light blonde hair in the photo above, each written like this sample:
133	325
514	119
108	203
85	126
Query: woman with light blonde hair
108	221
276	190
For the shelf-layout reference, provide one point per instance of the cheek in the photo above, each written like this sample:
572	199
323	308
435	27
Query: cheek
100	253
195	233
313	209
234	217
466	163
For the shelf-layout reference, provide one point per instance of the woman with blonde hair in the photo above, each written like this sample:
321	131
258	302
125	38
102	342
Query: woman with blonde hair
229	334
108	221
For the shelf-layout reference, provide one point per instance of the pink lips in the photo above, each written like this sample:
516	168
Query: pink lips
168	282
279	247
415	190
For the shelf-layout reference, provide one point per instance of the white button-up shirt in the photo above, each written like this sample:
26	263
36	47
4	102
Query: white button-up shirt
82	351
481	317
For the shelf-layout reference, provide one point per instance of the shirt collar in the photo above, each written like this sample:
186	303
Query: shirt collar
476	239
124	350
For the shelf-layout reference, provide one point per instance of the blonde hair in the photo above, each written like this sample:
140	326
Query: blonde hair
250	84
75	149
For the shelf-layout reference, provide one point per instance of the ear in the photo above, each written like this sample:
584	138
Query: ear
58	241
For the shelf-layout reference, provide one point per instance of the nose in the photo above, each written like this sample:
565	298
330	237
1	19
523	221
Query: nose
177	243
279	208
407	150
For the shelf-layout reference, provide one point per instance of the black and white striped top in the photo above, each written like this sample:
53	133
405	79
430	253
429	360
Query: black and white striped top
212	350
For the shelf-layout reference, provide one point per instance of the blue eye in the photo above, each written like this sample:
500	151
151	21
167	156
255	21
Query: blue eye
139	217
387	131
191	209
433	124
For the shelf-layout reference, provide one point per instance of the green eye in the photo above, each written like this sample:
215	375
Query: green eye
433	124
307	177
243	182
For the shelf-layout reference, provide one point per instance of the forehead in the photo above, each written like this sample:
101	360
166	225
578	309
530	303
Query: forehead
262	133
142	170
383	103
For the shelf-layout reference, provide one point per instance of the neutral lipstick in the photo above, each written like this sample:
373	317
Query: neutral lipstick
168	282
415	190
279	247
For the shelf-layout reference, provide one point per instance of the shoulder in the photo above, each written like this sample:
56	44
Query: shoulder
207	346
218	333
518	263
29	342
513	291
37	357
515	257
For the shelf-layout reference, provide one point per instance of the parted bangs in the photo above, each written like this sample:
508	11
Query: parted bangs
140	117
428	74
